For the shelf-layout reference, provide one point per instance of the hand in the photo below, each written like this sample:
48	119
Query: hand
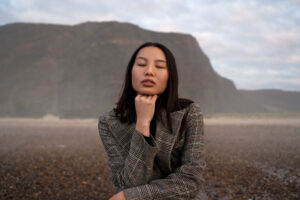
145	108
118	196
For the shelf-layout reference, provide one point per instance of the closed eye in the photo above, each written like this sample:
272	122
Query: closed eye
158	66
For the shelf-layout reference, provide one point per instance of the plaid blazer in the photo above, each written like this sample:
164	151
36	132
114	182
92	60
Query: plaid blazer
170	169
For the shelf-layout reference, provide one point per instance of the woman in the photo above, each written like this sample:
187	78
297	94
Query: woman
153	139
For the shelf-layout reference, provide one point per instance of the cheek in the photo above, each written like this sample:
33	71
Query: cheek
164	78
134	75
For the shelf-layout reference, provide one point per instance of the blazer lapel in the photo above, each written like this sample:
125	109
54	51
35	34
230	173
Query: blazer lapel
166	139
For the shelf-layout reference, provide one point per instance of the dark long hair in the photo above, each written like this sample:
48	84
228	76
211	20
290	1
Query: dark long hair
168	100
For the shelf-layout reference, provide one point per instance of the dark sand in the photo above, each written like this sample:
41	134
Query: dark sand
65	159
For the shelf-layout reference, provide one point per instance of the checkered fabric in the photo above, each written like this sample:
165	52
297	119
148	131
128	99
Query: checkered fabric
171	168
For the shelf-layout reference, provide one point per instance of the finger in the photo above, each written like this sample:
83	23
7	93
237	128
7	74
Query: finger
151	97
154	97
144	98
148	98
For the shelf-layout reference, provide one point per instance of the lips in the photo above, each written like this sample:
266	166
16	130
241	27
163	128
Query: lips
148	81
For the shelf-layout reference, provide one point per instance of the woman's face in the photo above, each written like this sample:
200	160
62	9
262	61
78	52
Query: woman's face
150	63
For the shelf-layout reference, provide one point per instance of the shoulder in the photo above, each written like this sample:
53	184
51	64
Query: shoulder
107	118
194	112
192	108
189	106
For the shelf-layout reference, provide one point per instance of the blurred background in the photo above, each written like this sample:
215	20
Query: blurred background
62	64
68	58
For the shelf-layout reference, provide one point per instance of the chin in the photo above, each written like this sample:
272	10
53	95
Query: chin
147	92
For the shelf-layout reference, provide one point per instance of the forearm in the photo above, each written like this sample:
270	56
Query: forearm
138	165
132	166
185	183
143	128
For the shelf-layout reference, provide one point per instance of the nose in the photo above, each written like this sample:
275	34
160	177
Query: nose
150	69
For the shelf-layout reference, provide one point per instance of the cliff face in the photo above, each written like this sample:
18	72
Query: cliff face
78	71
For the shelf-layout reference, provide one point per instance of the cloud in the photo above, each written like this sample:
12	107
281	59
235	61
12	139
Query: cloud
255	38
250	37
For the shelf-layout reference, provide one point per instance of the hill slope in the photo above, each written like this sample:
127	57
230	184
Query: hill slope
78	71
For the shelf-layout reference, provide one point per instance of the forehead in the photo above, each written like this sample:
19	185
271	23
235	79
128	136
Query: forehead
151	53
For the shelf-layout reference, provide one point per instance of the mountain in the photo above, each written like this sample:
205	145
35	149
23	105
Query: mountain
78	71
275	100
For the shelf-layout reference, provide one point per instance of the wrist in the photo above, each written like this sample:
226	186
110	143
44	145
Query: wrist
142	123
144	129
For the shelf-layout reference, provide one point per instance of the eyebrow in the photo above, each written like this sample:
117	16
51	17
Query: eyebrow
143	58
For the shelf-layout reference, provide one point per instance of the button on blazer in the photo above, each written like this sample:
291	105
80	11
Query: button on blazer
170	168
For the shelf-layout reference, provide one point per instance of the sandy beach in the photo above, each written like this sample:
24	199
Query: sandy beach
65	159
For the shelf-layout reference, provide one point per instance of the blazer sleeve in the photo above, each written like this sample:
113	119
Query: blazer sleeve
134	169
186	181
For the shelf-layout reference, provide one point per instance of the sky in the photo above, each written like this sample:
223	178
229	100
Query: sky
254	43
